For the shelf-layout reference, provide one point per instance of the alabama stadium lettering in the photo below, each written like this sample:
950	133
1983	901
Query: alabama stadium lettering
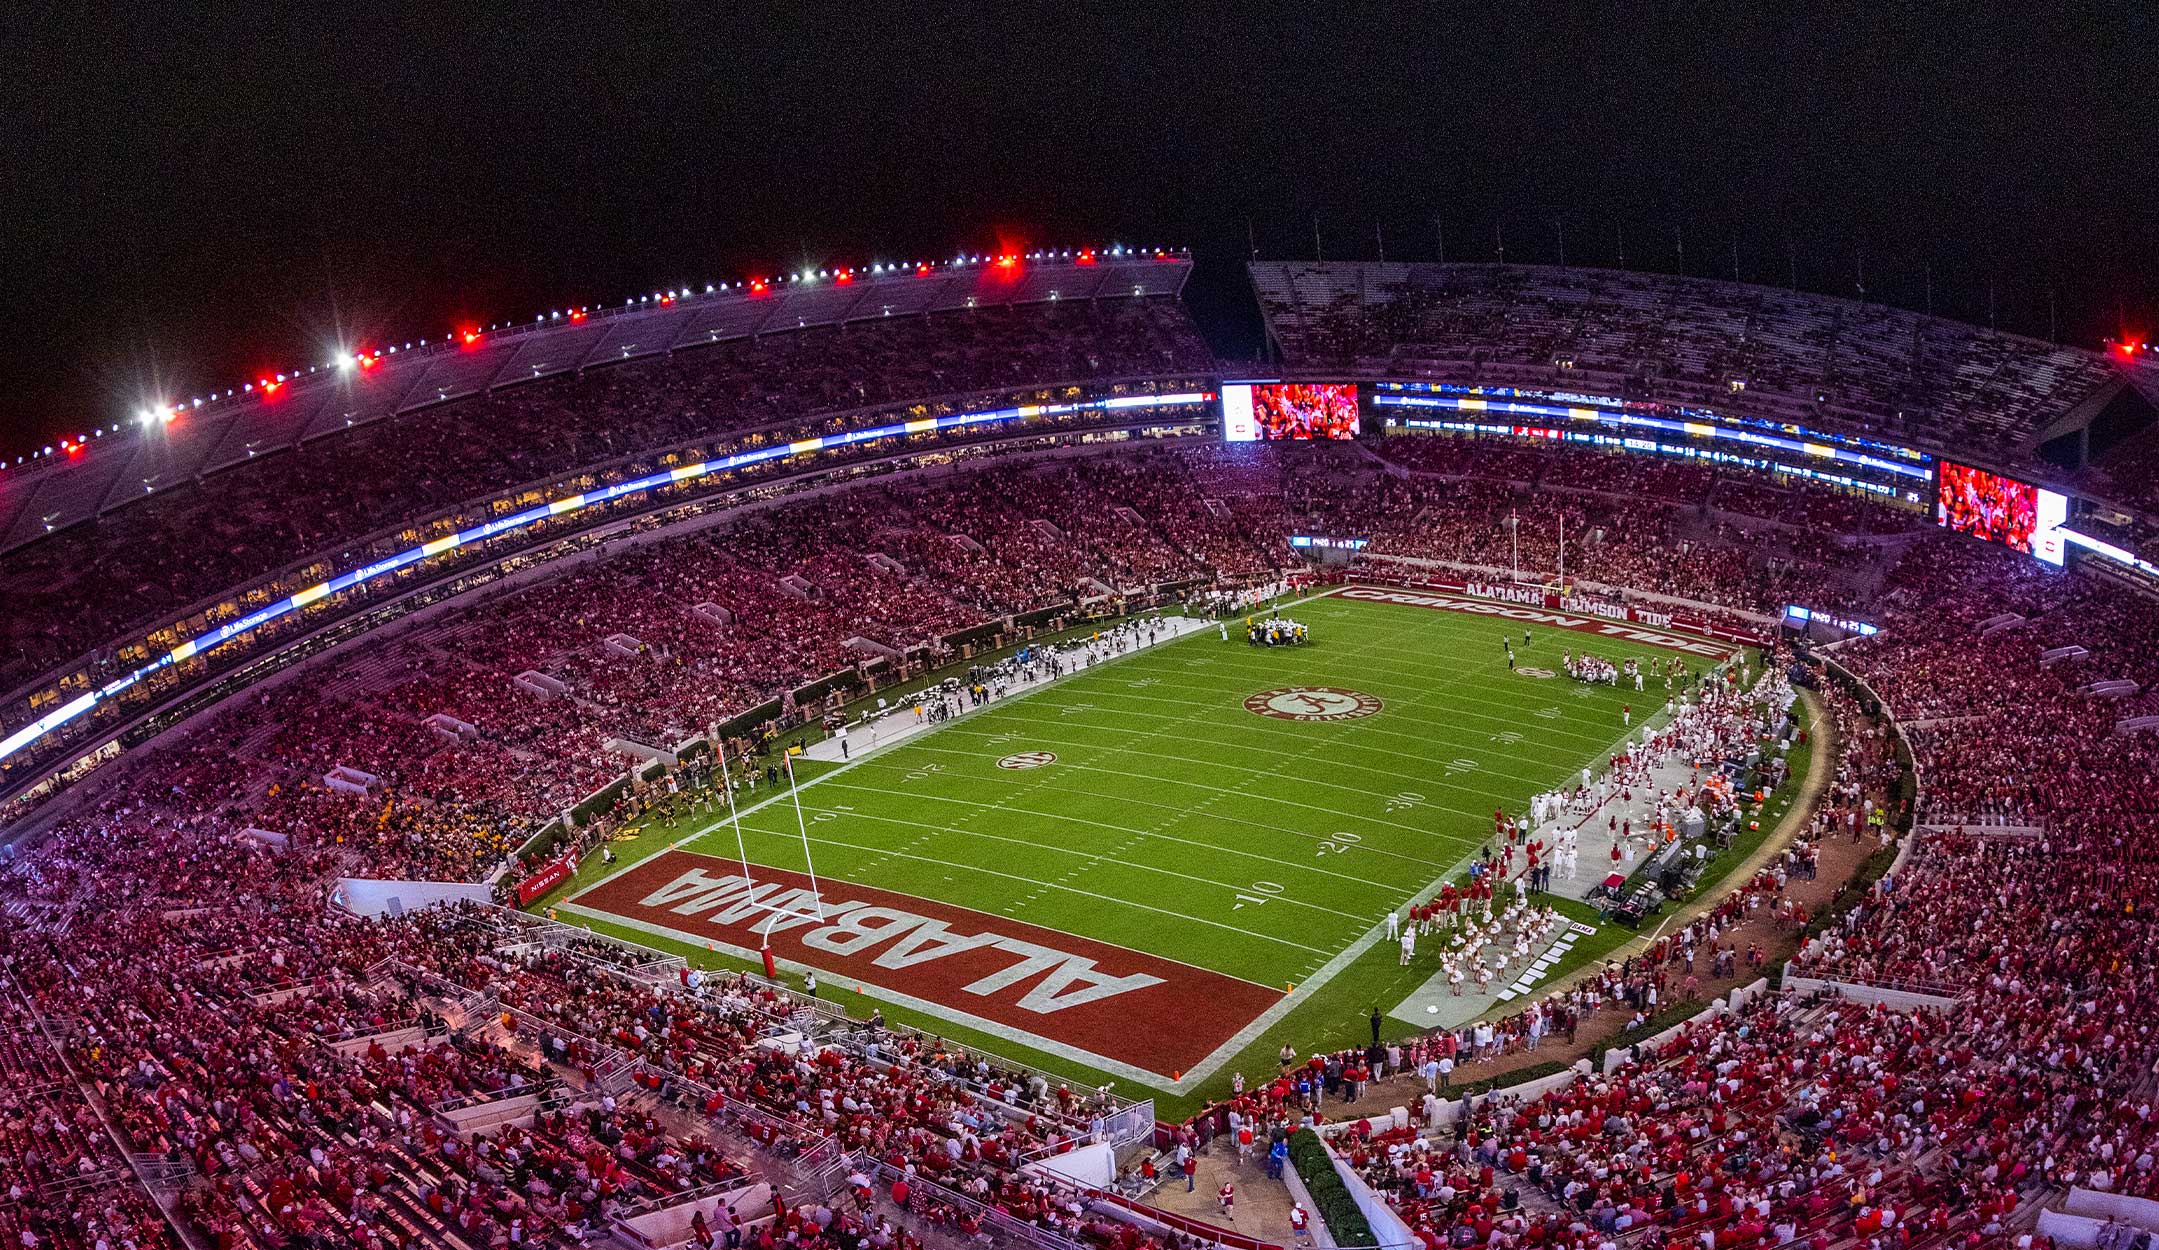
1507	594
1586	616
891	938
1153	1013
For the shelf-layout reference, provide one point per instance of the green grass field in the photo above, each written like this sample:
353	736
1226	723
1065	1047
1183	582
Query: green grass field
1175	821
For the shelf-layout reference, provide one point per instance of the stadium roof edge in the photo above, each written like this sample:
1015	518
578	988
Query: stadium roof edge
1652	275
48	494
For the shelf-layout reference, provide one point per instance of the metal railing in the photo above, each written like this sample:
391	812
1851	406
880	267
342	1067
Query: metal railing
540	1089
1009	1226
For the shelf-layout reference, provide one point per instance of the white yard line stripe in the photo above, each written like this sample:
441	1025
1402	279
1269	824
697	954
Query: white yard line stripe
1256	772
1093	857
1045	885
1214	847
1334	761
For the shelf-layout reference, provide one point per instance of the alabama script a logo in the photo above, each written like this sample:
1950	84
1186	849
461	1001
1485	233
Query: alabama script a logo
1311	703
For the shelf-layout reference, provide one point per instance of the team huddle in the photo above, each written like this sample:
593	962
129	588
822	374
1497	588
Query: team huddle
1597	670
1275	631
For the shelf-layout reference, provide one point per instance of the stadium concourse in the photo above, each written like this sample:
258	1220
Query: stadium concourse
203	1048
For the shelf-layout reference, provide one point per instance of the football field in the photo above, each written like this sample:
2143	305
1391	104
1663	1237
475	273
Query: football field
1146	868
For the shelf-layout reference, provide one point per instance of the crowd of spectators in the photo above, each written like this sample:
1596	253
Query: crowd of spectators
173	930
1784	1122
1634	521
151	558
1679	340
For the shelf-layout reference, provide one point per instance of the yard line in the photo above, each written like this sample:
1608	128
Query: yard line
1306	743
1230	691
1199	785
1099	824
1245	822
1091	856
1046	885
1241	768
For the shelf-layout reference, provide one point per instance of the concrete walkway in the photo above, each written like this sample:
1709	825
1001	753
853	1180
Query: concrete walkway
1262	1208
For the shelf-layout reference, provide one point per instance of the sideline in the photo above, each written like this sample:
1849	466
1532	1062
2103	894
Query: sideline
1823	732
882	748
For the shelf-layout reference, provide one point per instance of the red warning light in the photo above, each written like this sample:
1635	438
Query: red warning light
469	336
266	386
758	286
1087	257
922	271
845	276
577	314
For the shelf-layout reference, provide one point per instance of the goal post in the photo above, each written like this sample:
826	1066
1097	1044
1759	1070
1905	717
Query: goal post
775	914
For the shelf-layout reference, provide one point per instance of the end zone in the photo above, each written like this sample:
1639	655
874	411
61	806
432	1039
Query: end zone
1109	1007
1616	630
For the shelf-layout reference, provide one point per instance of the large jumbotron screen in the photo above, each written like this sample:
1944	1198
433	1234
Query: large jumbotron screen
2001	509
1289	410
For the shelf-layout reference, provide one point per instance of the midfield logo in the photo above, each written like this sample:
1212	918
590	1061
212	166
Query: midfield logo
1313	703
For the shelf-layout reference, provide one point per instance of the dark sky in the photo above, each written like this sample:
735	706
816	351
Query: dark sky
190	198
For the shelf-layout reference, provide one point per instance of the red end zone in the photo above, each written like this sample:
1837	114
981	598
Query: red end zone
1536	607
1123	1005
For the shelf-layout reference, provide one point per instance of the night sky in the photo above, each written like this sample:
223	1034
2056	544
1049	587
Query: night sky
192	199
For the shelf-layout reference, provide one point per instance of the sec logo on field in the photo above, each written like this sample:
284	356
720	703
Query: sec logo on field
1535	672
1027	759
1312	703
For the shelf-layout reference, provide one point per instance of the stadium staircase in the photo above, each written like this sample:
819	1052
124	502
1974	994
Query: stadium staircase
162	1174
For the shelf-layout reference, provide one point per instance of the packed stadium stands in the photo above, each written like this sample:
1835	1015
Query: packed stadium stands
192	1029
147	560
1938	383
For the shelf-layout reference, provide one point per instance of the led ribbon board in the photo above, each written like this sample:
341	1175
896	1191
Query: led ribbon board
1686	429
